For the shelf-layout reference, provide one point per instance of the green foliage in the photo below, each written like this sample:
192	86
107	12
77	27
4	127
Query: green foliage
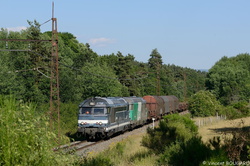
69	115
235	110
174	128
229	79
96	80
78	62
203	103
100	160
119	148
242	107
192	152
25	138
86	55
155	60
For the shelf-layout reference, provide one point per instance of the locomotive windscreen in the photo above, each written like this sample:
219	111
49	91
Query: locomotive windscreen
92	111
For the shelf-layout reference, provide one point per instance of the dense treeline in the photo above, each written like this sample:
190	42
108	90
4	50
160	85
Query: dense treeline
83	73
25	72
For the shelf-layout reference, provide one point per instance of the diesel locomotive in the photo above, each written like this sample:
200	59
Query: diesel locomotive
102	117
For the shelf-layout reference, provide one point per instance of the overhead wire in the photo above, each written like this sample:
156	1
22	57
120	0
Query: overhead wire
79	70
76	69
45	22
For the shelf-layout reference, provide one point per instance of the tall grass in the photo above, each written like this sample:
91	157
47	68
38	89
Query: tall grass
25	137
126	152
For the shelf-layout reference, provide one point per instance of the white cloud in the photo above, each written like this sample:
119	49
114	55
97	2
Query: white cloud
16	28
101	41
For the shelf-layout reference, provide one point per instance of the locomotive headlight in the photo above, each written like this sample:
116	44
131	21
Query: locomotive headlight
83	123
99	123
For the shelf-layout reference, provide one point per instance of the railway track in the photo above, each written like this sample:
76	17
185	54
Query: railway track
76	146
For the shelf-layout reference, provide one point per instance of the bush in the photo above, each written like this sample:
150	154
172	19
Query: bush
173	128
99	160
68	116
25	138
203	103
236	144
236	110
189	153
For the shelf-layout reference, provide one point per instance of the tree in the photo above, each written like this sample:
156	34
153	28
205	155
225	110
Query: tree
154	72
203	103
86	55
155	60
229	79
96	80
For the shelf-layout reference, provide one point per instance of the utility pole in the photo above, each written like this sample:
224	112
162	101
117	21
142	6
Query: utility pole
54	80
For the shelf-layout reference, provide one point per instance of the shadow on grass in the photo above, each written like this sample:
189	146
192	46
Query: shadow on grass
231	129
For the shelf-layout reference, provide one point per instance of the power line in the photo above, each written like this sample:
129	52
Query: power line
26	40
45	22
13	50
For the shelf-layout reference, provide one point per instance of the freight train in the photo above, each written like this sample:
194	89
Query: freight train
102	117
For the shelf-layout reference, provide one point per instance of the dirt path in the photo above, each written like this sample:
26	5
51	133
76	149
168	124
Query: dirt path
216	129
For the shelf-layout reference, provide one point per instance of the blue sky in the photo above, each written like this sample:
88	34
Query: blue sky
187	33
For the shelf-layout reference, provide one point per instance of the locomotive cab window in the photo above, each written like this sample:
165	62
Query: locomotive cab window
98	111
92	111
86	111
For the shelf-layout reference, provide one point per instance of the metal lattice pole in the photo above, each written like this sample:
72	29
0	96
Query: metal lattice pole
54	81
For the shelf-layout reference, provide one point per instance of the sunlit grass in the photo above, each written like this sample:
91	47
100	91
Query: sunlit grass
128	152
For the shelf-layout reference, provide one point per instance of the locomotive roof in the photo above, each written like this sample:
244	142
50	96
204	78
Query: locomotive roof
103	101
134	99
111	101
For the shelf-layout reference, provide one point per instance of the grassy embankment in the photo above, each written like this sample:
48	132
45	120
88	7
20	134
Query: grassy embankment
130	152
127	152
218	128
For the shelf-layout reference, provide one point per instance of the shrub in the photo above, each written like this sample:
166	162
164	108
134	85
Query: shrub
173	128
192	152
25	138
236	144
99	160
203	103
68	116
